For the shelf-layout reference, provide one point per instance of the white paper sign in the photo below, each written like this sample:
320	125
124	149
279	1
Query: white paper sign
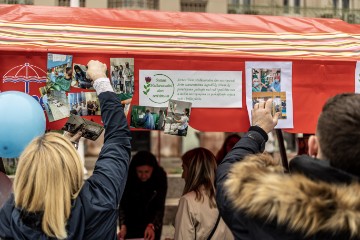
266	80
205	89
357	77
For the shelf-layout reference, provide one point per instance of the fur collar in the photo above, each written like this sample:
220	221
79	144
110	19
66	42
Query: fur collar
258	187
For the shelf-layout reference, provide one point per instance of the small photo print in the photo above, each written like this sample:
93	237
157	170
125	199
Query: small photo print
79	77
177	117
59	72
84	104
122	75
279	101
148	117
10	165
266	79
125	101
55	104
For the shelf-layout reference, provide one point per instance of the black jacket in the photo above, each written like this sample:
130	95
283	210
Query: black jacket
258	201
95	210
144	203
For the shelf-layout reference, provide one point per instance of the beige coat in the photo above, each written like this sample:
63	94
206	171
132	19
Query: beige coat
195	220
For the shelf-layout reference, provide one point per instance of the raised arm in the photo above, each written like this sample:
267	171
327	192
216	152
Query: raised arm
109	177
253	142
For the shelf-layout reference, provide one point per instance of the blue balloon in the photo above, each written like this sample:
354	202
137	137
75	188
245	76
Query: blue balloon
22	119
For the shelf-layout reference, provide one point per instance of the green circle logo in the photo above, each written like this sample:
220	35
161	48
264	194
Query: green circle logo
159	89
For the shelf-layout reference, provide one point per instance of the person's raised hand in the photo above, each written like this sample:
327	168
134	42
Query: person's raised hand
73	137
96	70
261	116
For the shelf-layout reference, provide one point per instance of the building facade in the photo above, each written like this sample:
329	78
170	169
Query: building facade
348	10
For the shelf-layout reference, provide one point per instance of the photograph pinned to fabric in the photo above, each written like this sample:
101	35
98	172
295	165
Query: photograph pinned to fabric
79	77
177	117
125	101
271	79
278	105
144	117
266	80
84	104
59	72
55	103
122	75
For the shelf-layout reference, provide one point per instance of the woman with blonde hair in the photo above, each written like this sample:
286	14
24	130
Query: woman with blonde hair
51	200
197	216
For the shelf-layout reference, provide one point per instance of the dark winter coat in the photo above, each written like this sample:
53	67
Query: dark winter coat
94	212
258	201
144	203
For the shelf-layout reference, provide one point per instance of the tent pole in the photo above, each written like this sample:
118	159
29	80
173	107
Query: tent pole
159	146
282	149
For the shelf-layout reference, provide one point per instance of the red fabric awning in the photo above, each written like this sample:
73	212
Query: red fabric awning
323	51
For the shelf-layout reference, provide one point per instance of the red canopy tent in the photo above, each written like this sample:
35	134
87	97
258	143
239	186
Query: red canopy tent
323	51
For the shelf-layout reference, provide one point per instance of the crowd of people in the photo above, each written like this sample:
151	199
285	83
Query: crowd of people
266	81
123	79
241	194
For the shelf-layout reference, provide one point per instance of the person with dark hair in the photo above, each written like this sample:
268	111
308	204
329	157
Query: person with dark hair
228	144
197	216
80	77
318	200
115	76
143	204
121	79
63	83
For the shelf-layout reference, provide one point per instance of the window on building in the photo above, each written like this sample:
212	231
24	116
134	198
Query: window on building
66	3
27	2
297	6
193	6
247	2
141	4
286	6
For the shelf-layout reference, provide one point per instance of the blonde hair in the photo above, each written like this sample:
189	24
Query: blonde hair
201	165
49	175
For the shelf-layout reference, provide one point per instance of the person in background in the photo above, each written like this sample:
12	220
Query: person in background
63	83
128	77
51	199
115	77
121	79
84	110
161	121
319	200
228	144
80	77
197	216
148	121
256	85
143	204
184	123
